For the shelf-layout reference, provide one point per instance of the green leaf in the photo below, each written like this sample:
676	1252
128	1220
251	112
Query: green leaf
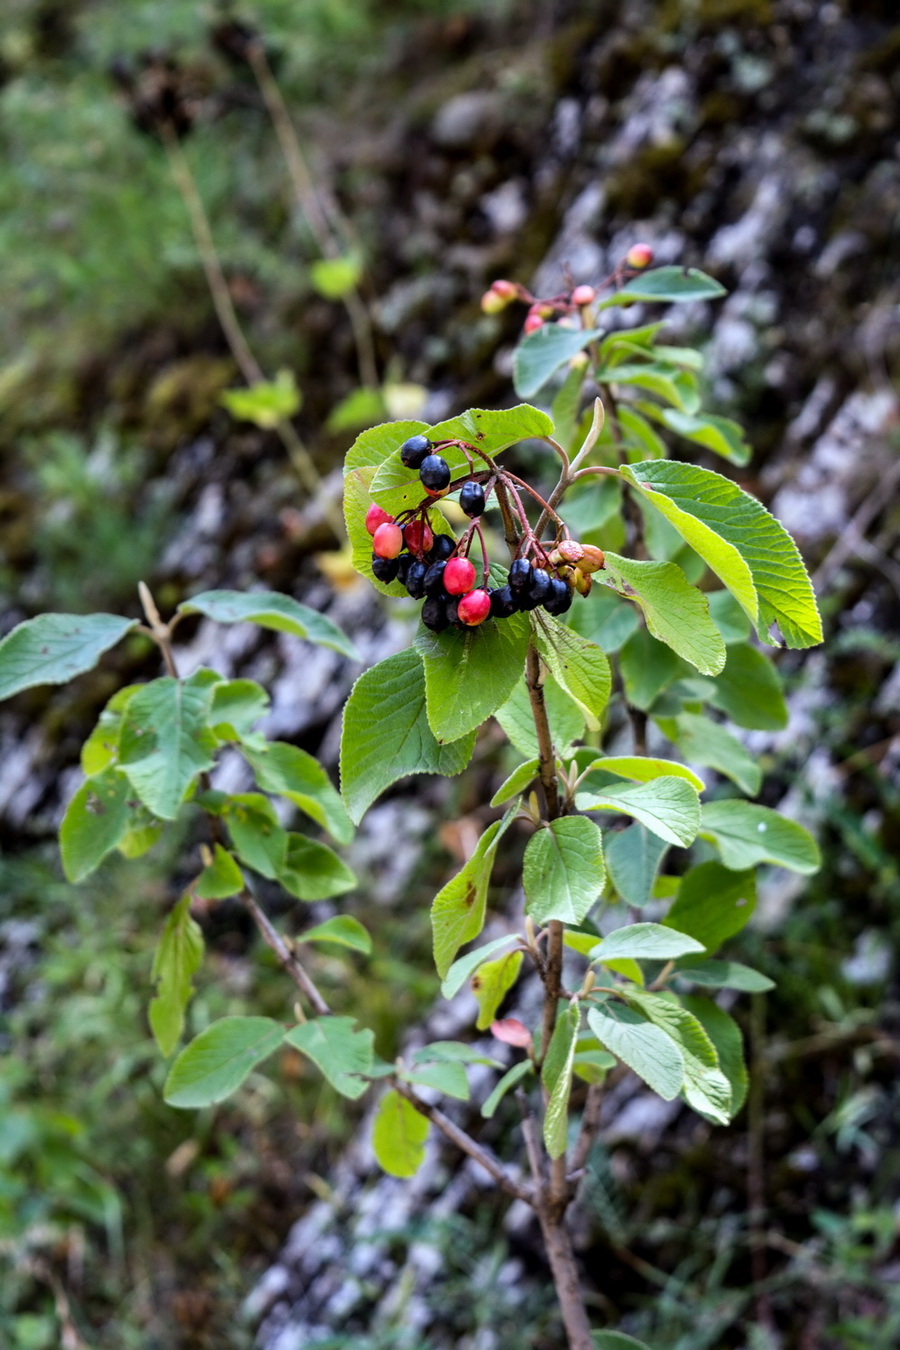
342	929
270	609
713	904
668	806
579	666
311	871
166	741
509	1080
640	433
703	741
340	1051
646	1049
725	1035
258	839
265	403
616	1340
453	1052
676	612
221	879
54	648
633	857
102	746
461	969
728	616
726	975
96	819
176	961
565	718
678	387
556	1074
517	781
470	675
386	735
398	1136
563	872
287	771
645	942
374	445
746	835
606	620
539	355
565	406
647	667
643	769
748	690
444	1076
672	284
705	1087
719	434
744	545
334	278
238	705
457	912
491	983
359	408
218	1060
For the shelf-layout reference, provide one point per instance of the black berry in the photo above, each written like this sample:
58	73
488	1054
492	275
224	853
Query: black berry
440	550
434	472
471	498
404	563
520	574
538	590
434	579
415	579
413	451
434	614
503	602
561	598
385	569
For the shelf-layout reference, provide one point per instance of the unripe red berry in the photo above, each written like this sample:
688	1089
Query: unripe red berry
474	607
459	576
592	559
639	256
584	295
492	303
582	583
387	541
507	290
418	536
570	551
375	516
532	323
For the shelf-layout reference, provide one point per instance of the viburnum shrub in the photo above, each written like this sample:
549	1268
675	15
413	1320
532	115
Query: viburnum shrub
596	617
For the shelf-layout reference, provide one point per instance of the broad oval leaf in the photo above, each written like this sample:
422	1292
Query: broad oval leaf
726	975
343	930
672	284
676	612
218	1060
633	857
271	609
340	1050
287	771
645	942
713	903
447	1076
166	741
706	742
492	982
563	872
54	648
748	690
578	666
705	1086
176	961
720	434
398	1136
746	834
221	878
539	355
457	911
313	871
468	676
96	819
646	1049
725	1035
668	806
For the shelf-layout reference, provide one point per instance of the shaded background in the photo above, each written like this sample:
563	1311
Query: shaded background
455	143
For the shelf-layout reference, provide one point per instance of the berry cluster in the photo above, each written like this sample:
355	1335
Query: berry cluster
572	302
437	568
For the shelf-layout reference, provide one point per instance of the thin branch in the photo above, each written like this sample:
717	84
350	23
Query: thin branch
286	957
587	1133
532	1148
157	630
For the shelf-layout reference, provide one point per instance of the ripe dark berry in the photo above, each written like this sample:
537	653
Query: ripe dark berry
434	614
404	563
413	451
520	574
375	516
471	498
538	590
415	579
418	536
434	472
459	576
385	569
474	608
434	579
451	606
387	541
443	546
561	597
503	603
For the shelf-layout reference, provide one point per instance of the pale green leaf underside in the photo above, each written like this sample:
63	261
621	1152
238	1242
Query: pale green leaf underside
645	942
343	930
644	768
672	284
746	834
645	1048
54	648
271	609
540	354
668	806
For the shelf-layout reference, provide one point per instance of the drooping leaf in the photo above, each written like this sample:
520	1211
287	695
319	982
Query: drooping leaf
676	612
398	1136
465	966
647	667
340	1050
674	386
312	871
54	648
447	1076
719	434
457	1052
386	735
726	975
645	942
748	690
221	878
578	665
633	857
668	806
744	545
343	929
671	284
265	403
703	741
746	834
646	1049
492	982
539	355
457	913
178	957
563	871
217	1061
510	1079
287	771
705	1086
166	741
96	819
271	609
556	1074
468	676
713	903
725	1035
517	782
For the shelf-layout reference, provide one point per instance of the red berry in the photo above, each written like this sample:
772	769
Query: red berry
387	541
474	607
532	323
459	576
418	536
639	256
507	290
375	516
584	295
